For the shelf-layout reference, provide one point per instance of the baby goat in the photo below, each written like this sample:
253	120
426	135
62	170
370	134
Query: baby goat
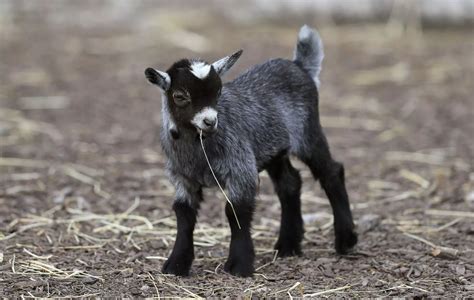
250	124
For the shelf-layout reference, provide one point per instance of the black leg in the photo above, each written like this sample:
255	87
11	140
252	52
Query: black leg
287	183
241	252
331	176
180	260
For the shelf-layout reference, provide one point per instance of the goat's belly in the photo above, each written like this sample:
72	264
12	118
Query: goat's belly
274	142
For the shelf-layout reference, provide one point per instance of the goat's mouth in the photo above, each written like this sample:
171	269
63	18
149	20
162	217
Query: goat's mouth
206	121
206	131
207	128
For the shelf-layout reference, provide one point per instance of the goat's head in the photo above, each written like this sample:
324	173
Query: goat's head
191	89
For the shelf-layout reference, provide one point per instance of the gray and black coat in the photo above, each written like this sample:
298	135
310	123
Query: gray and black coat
250	124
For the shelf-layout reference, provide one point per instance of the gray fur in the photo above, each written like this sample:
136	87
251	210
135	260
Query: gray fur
265	115
309	52
270	109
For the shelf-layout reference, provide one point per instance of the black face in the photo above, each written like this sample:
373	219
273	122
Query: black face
189	95
192	89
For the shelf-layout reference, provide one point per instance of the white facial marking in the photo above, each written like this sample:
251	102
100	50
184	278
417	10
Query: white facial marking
208	113
200	69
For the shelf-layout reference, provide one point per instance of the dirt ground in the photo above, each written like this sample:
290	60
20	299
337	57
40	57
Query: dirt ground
85	207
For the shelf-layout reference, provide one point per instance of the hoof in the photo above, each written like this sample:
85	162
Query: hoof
288	248
178	265
345	241
239	267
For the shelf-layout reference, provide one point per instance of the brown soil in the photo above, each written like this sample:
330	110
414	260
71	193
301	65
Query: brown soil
85	207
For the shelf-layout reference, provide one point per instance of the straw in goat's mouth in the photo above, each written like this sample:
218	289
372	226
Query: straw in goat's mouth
217	181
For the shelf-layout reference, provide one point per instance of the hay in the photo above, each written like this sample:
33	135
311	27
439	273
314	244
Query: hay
217	181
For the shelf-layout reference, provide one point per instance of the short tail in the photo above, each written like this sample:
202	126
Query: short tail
309	52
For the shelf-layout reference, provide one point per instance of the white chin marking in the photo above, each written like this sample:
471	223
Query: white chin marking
200	69
205	113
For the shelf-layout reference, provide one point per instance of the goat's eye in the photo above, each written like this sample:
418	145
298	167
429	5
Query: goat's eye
181	99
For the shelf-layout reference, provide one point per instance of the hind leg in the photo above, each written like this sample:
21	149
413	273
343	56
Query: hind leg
287	183
331	176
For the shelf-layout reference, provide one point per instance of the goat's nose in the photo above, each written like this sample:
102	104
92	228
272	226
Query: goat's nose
210	122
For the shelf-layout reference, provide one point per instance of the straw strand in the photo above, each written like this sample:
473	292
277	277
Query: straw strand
217	181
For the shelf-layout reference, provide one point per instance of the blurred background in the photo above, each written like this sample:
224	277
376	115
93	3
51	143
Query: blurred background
79	144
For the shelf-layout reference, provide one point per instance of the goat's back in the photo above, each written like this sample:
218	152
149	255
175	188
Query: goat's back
273	104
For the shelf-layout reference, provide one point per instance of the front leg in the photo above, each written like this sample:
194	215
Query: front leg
185	207
180	260
241	251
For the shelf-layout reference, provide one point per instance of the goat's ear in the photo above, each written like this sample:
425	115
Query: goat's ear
224	64
161	79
